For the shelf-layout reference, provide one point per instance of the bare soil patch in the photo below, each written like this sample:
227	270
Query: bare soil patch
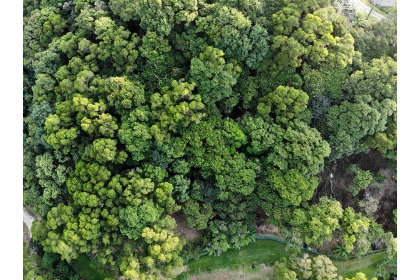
338	188
26	235
184	230
28	217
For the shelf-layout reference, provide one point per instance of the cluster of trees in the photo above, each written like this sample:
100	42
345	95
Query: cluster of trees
134	110
306	268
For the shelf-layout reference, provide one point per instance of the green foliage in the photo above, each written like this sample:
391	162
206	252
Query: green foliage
319	105
361	181
375	40
376	78
175	107
360	276
369	206
322	221
138	217
356	228
117	46
133	107
300	37
292	186
213	76
231	31
323	268
294	240
157	17
198	215
287	103
326	81
124	94
347	124
135	134
282	272
103	150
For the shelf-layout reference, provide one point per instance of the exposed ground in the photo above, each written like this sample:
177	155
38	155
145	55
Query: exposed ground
338	187
28	217
184	230
26	234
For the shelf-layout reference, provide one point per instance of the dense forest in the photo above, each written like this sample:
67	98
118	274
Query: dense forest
225	112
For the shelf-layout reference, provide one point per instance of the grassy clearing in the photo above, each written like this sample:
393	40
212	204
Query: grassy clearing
367	265
259	273
82	266
248	259
265	251
262	251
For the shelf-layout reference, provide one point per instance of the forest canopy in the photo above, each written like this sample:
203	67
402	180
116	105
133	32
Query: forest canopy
220	110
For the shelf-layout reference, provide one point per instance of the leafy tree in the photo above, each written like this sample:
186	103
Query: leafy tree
124	94
376	78
319	106
302	266
156	16
323	268
43	88
117	46
369	205
378	39
85	21
174	107
384	141
213	76
304	149
29	6
39	28
361	181
298	38
46	62
292	186
324	81
138	217
232	32
36	120
360	276
135	134
162	64
299	147
198	215
282	272
356	228
347	124
53	27
391	245
164	246
323	219
287	103
270	76
103	150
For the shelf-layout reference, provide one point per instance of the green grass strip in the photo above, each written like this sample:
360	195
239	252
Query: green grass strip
368	265
268	251
261	251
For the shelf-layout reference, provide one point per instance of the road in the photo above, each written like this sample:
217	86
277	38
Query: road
363	6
